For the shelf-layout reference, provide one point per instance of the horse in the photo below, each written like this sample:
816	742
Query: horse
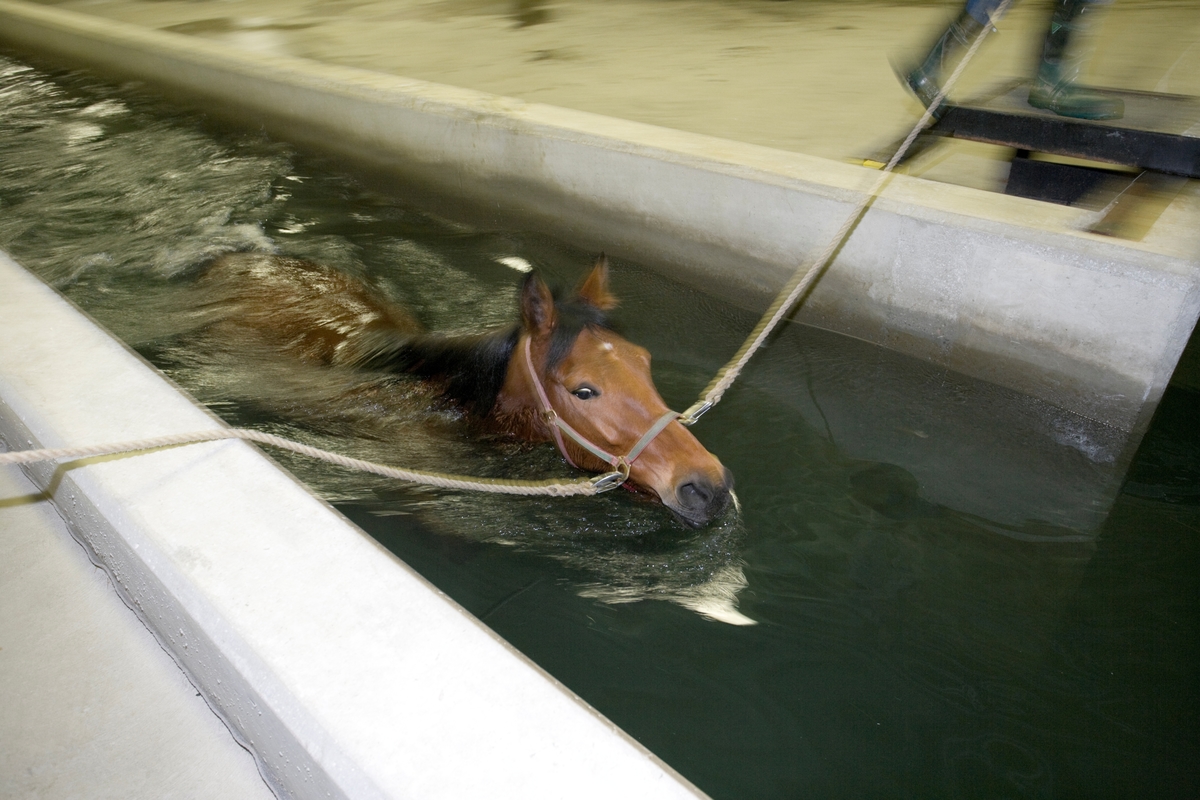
560	374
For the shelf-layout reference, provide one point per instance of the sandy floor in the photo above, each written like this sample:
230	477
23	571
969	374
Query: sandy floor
810	76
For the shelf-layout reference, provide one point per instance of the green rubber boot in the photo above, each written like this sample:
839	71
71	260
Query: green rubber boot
926	80
1054	88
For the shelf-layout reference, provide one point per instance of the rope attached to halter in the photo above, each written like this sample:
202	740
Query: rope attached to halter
581	488
791	294
551	488
797	289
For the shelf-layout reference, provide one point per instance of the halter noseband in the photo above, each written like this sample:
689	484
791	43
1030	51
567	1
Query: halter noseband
558	426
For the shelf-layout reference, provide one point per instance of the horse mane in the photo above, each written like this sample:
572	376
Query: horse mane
471	368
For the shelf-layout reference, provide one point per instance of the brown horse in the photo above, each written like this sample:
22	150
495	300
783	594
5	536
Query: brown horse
560	374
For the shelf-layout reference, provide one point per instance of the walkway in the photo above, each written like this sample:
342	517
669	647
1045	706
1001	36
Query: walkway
812	76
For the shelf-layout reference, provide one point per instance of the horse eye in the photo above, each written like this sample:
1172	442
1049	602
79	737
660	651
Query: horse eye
586	393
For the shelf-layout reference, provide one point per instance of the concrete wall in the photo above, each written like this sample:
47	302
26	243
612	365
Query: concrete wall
344	672
997	287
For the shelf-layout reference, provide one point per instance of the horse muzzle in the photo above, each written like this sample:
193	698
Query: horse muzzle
699	498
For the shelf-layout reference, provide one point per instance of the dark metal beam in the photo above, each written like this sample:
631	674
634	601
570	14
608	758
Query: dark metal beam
1158	132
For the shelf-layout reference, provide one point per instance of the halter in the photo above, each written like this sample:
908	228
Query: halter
558	426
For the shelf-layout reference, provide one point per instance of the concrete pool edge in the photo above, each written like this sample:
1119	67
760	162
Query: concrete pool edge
346	674
996	287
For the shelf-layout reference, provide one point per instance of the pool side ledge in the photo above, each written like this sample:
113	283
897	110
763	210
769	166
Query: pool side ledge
343	671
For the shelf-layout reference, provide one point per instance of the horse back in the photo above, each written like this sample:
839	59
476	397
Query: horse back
303	309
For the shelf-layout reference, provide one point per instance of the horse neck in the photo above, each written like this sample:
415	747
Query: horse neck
471	369
518	409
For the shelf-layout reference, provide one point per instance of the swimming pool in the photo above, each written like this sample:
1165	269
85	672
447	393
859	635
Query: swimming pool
955	590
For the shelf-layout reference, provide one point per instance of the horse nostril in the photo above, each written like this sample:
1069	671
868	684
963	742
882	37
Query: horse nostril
696	495
700	498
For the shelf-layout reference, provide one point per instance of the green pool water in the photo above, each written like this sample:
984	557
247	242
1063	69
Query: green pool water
932	587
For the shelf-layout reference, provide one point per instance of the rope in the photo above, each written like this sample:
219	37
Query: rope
798	287
791	294
552	488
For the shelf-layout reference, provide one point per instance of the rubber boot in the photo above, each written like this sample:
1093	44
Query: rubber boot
926	80
1054	88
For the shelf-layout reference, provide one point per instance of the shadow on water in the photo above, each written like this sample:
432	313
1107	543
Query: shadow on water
953	596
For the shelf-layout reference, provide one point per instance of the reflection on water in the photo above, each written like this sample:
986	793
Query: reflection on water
952	597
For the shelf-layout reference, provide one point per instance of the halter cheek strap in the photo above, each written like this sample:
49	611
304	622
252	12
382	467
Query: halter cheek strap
559	426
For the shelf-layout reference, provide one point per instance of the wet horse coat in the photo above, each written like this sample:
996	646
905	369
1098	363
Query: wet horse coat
562	354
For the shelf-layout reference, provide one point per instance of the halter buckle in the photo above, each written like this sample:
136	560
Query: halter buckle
611	480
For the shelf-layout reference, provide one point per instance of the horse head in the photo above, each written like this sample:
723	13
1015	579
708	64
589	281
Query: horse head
571	373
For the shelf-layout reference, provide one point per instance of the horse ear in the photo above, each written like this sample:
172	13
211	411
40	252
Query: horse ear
537	306
594	289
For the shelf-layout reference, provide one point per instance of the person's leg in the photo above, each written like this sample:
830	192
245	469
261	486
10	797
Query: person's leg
982	10
1054	86
925	80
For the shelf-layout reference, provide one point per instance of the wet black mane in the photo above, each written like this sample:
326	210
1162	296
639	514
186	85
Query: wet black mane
471	368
